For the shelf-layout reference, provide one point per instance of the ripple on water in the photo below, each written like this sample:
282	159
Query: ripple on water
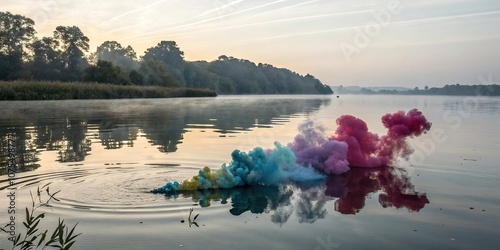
108	189
32	179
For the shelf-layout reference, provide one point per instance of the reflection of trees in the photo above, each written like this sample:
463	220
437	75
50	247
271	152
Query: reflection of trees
164	130
68	137
70	127
76	146
114	136
351	190
469	105
227	116
49	135
25	150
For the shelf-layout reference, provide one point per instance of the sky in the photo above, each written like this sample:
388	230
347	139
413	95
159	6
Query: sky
365	43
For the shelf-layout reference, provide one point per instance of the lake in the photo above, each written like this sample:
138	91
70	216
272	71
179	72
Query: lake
106	155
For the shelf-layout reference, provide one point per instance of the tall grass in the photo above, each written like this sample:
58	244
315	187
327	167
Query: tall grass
35	90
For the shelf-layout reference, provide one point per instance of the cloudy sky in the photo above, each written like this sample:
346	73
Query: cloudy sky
349	42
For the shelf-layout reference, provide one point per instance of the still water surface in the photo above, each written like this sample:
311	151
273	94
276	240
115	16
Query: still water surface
105	155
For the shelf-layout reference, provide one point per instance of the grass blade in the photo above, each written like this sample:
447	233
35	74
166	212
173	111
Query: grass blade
44	234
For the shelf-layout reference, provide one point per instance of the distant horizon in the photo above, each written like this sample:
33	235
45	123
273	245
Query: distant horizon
405	87
364	43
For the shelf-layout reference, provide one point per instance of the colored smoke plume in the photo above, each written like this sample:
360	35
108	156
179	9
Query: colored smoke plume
312	153
312	148
353	145
257	167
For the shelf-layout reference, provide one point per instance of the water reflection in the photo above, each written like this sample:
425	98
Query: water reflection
24	149
348	191
394	187
76	145
70	127
467	105
114	136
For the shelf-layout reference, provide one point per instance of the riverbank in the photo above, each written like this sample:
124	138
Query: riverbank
36	90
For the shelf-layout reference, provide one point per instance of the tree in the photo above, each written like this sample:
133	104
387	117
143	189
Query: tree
155	72
339	90
46	63
16	34
318	86
104	72
197	76
169	53
240	76
130	53
114	52
223	58
73	44
136	77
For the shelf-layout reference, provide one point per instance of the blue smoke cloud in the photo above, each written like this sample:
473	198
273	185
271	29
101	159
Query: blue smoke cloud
257	167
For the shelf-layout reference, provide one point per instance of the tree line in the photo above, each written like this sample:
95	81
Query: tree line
65	57
459	89
448	89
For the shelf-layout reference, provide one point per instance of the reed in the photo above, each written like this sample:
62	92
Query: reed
36	90
62	237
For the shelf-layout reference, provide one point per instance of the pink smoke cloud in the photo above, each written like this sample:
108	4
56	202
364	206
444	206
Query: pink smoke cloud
354	145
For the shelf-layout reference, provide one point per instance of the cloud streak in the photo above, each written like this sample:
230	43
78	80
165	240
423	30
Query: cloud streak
278	21
221	8
407	22
137	10
207	19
